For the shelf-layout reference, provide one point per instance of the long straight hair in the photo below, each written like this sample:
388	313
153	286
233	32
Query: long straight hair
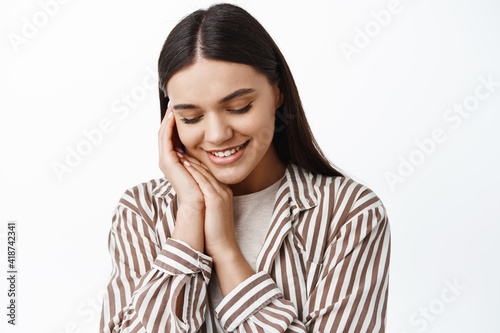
229	33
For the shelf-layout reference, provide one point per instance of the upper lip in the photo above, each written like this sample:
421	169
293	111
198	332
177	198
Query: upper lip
223	150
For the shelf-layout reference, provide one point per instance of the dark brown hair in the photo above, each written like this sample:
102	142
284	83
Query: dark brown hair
227	32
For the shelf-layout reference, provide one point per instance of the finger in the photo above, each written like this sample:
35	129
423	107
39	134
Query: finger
165	132
174	137
192	159
204	184
206	178
165	120
166	136
206	171
188	157
185	156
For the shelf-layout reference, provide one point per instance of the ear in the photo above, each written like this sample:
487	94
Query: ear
278	96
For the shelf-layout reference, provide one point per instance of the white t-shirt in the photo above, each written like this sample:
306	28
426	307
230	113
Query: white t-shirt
252	215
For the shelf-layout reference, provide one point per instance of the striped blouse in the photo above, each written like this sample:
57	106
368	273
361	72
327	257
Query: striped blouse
324	265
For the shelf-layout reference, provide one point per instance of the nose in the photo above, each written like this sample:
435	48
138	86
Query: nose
218	130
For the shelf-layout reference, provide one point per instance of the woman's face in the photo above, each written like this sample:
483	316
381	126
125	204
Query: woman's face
230	108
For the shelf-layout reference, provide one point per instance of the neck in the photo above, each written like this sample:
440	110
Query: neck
266	173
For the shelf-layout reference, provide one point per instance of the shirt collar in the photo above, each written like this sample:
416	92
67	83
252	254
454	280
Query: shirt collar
299	180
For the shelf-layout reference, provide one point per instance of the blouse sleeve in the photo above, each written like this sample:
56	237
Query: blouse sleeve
146	280
350	295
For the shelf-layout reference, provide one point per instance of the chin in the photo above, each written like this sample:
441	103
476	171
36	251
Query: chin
229	176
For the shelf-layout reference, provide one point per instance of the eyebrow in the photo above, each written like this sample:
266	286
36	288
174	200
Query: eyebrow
234	94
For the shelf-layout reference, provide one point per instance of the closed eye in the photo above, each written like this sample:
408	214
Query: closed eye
190	121
195	120
245	109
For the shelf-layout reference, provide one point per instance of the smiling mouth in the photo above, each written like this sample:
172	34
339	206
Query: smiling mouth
229	152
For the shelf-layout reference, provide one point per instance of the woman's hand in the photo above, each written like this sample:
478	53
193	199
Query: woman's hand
170	164
220	238
190	215
219	223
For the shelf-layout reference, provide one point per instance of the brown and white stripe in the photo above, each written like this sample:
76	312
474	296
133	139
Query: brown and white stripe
324	266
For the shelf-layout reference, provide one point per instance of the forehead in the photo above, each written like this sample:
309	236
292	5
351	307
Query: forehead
208	80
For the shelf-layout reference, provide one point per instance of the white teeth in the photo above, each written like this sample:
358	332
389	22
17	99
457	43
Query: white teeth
228	152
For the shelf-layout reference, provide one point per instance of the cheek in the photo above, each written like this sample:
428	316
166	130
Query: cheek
263	129
188	136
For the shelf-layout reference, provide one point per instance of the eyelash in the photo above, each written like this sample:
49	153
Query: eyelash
194	120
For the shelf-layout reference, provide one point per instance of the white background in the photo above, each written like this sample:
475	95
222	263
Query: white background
78	65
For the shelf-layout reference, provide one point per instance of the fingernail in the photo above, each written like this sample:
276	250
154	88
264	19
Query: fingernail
180	155
169	115
179	150
186	163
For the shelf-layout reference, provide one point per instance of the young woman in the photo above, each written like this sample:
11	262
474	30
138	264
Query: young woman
251	229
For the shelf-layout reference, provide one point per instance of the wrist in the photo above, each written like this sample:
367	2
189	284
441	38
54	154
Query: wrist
189	228
232	269
224	251
192	207
230	259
